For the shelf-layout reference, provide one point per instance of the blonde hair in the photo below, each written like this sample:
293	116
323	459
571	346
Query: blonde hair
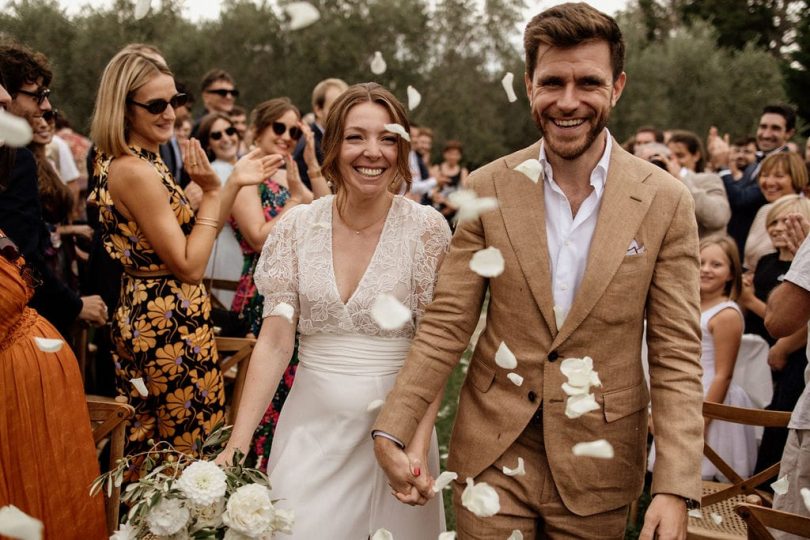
734	287
788	204
789	163
130	69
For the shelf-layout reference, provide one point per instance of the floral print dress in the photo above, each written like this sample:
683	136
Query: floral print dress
249	304
161	330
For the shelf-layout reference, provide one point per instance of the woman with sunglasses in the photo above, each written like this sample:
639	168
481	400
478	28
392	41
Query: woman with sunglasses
276	127
161	329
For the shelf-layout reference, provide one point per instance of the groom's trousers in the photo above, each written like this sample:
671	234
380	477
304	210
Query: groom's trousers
531	503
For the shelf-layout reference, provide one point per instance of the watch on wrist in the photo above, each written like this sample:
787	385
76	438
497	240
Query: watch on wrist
691	504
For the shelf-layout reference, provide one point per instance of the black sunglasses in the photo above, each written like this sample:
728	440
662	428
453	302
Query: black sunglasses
157	106
217	135
280	127
224	92
10	252
50	115
39	96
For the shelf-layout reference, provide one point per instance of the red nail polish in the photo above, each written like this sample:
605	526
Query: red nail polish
417	471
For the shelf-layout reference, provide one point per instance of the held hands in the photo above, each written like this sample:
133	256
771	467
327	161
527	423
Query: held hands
196	164
407	474
665	519
254	167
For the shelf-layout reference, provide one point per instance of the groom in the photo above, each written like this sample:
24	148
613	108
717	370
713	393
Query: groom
601	241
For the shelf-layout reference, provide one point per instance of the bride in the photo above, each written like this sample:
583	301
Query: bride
326	263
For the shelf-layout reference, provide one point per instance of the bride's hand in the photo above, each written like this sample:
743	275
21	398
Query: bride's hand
422	489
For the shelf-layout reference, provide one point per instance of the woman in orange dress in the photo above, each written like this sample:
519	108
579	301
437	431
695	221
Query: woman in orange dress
47	456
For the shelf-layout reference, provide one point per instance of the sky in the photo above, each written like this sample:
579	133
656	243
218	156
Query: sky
209	9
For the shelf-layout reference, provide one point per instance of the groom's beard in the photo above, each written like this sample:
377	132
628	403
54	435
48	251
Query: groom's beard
571	150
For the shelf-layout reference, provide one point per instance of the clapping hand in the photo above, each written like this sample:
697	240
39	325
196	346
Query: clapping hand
310	158
797	227
196	164
254	167
718	148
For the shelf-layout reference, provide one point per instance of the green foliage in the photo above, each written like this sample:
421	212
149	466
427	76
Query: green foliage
797	69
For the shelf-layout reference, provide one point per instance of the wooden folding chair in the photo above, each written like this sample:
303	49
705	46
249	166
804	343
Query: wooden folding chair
235	353
109	418
759	519
722	498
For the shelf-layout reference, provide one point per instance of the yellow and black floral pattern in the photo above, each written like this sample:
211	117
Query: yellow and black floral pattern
161	329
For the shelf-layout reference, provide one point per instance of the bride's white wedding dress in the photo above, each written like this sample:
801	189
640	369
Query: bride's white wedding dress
322	462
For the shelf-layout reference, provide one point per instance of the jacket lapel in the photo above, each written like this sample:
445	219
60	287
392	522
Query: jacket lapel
624	204
521	204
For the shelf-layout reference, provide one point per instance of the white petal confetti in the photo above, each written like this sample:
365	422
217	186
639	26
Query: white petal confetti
487	262
780	487
507	81
559	316
578	370
378	65
575	390
444	480
517	471
14	131
399	130
14	523
382	534
516	379
469	205
389	312
142	8
48	344
414	98
805	497
481	499
301	14
695	513
531	168
140	386
284	310
717	518
374	405
449	535
516	535
576	406
504	357
595	449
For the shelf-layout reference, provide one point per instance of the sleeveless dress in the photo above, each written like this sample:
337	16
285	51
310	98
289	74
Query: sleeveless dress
249	304
322	461
47	456
161	330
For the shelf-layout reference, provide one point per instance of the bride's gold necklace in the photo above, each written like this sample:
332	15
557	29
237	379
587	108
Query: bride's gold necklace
367	227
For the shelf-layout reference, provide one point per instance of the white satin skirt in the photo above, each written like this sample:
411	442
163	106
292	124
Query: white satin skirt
322	461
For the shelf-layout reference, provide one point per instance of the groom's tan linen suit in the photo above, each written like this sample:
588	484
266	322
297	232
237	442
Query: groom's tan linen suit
656	277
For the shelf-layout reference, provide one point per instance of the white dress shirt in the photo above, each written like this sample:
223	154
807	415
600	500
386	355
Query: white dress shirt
569	237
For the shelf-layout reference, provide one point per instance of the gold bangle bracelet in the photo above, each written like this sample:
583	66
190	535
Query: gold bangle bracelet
204	224
208	221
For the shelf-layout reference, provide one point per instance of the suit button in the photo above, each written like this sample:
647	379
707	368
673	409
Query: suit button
532	396
553	355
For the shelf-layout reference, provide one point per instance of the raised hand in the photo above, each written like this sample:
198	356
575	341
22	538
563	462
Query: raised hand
718	149
310	158
797	227
254	167
196	164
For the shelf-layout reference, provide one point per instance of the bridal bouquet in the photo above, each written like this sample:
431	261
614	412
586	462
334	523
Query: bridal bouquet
180	498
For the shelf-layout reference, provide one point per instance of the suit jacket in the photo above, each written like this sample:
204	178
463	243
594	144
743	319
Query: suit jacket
605	322
712	209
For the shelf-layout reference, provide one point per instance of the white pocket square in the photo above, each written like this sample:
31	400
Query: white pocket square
635	249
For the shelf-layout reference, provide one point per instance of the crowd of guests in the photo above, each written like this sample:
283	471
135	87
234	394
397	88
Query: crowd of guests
159	277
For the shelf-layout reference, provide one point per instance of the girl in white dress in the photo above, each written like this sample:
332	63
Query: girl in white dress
329	261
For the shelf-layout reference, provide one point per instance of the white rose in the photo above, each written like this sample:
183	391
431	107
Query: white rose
207	516
481	499
125	532
283	521
167	517
249	510
202	482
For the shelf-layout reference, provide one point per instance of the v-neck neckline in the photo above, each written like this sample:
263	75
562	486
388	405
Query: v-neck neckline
371	261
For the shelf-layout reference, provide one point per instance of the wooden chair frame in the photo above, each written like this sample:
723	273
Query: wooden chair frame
759	519
235	352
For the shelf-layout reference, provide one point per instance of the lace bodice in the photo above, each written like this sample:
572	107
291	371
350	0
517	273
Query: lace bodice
296	267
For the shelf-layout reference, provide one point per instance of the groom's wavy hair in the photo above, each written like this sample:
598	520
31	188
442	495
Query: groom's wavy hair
571	24
336	124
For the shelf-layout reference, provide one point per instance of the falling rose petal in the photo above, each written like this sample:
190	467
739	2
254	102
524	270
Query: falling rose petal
481	499
695	513
717	518
14	131
382	534
449	535
780	487
507	82
378	65
576	406
531	168
517	471
594	379
284	310
389	312
444	480
578	370
516	379
48	345
374	405
399	130
516	535
504	357
595	449
142	8
559	316
301	14
805	497
571	390
470	205
140	386
14	523
414	98
487	262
